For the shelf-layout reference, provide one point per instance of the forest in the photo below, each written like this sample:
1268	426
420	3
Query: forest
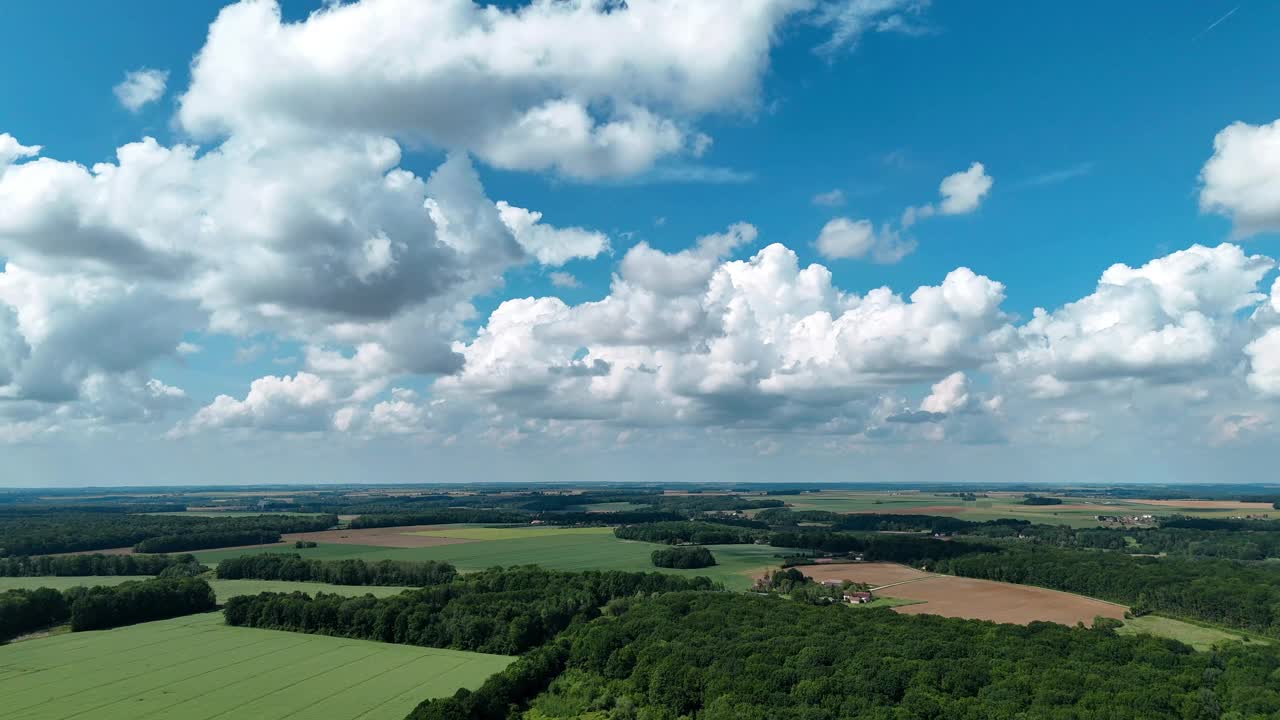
41	533
272	566
96	564
495	611
102	607
718	656
26	611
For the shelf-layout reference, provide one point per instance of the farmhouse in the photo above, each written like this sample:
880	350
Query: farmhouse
858	598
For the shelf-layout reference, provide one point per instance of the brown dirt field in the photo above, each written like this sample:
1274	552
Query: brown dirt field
969	598
392	537
873	573
1208	504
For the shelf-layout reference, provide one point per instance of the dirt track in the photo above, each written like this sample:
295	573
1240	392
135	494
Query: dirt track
970	598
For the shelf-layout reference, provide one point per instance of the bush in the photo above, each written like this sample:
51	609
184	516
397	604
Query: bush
683	557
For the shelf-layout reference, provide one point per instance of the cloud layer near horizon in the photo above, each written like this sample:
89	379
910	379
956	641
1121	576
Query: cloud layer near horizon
295	220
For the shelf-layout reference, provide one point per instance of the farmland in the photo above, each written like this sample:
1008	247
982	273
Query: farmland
555	548
970	598
198	668
1074	511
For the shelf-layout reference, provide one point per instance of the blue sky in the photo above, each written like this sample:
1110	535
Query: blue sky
1094	123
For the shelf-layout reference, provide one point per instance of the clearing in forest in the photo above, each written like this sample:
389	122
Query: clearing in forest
198	668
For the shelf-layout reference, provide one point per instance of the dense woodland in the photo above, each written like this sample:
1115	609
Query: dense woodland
496	611
271	566
84	565
100	607
684	558
27	611
719	656
23	534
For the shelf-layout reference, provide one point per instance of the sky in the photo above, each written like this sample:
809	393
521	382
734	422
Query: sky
660	240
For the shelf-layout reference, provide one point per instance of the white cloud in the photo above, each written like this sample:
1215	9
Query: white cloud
757	343
141	87
11	150
551	246
1242	178
849	20
590	89
302	403
1264	363
1236	428
962	192
1171	319
844	238
564	280
830	198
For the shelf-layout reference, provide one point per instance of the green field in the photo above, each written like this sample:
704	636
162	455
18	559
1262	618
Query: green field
583	549
224	588
513	532
197	668
1200	637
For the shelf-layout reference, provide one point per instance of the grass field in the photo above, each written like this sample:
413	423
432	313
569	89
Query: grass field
578	549
512	533
224	588
1199	637
197	668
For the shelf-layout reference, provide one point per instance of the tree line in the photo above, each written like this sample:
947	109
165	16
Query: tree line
27	611
883	548
505	611
720	656
683	557
25	534
292	567
689	531
102	607
97	564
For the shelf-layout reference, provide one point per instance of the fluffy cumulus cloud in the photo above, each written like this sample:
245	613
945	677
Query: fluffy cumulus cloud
109	267
1171	319
962	192
846	238
1242	178
590	89
692	339
141	87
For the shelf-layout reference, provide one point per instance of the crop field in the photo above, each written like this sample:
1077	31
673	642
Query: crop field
197	668
555	548
970	598
509	533
1075	511
225	589
1200	637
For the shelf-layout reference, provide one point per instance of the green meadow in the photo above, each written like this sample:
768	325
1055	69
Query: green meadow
197	668
555	548
1200	637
